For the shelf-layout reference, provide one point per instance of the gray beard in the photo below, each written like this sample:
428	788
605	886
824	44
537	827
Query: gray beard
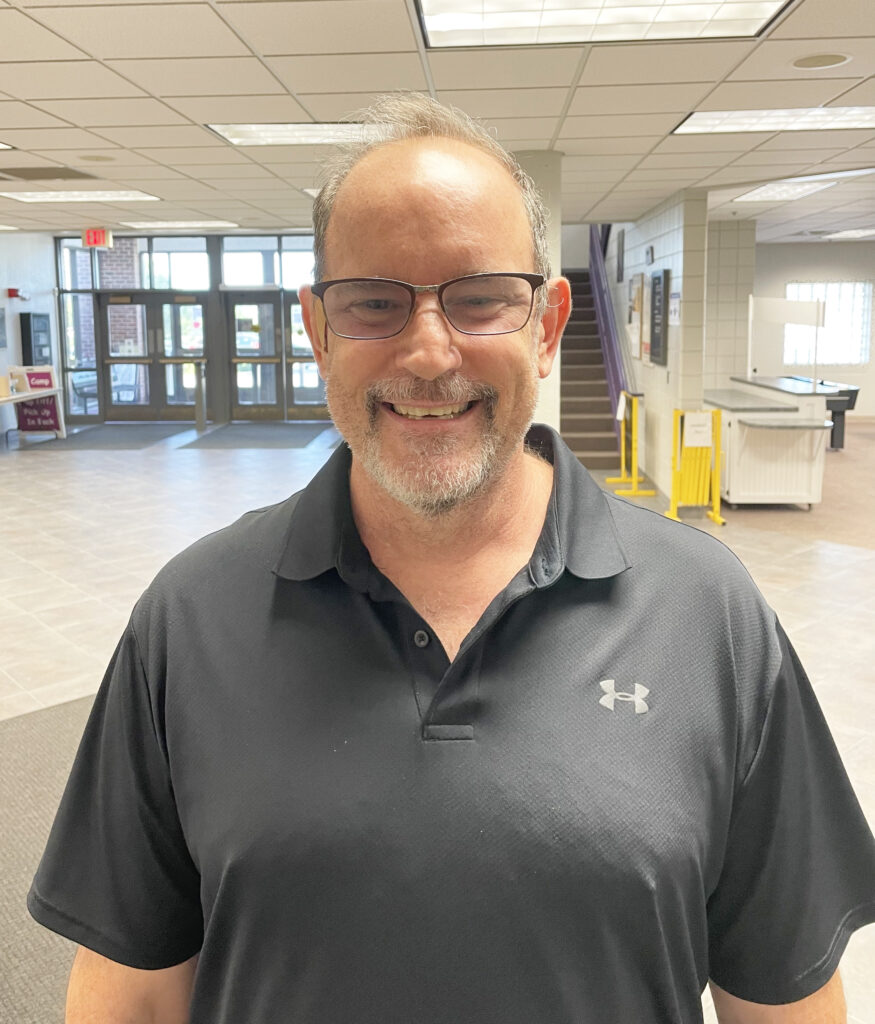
429	489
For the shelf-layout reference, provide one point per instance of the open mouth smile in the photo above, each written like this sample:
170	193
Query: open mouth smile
420	412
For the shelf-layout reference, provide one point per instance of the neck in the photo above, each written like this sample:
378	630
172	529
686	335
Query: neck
508	513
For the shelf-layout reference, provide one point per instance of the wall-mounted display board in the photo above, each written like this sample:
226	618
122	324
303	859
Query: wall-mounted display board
659	318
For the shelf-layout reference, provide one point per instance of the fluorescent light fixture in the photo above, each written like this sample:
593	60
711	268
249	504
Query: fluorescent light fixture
312	192
79	196
798	119
4	146
516	22
293	134
178	225
3	227
783	191
834	176
845	236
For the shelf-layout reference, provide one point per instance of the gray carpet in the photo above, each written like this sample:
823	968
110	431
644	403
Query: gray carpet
272	434
36	751
108	436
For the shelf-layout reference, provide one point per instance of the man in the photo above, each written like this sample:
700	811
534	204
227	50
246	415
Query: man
451	736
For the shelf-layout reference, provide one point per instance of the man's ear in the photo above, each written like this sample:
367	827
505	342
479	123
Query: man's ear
553	323
316	327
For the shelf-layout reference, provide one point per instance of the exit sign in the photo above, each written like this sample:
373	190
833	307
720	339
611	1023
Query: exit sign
97	238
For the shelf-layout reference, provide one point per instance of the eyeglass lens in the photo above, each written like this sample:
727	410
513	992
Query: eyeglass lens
484	304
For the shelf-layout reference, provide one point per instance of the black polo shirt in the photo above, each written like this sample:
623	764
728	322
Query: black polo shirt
620	786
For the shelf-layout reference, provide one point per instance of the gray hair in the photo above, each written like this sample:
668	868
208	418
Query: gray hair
398	116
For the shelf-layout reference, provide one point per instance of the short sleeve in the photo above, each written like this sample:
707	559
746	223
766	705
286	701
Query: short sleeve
799	870
116	875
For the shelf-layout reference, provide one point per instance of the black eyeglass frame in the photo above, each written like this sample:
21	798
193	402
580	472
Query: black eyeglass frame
319	289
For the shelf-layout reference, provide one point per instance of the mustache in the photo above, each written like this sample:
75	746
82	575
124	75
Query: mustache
450	389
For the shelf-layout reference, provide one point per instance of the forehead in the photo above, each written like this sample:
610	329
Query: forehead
432	197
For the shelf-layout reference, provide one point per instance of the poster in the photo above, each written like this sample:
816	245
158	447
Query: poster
38	414
659	318
635	319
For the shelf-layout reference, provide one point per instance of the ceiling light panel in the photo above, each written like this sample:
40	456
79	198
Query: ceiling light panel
782	192
79	197
292	134
520	22
796	119
3	227
846	236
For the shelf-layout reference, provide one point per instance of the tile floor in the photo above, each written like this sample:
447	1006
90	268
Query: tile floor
82	532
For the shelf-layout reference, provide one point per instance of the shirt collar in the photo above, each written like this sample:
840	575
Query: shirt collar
579	533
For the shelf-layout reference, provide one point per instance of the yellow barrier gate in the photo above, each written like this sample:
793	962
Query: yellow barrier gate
628	410
695	462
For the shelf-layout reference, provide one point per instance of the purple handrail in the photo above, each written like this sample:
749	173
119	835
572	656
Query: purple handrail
606	320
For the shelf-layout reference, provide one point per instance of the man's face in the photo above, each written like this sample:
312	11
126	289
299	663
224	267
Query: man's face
432	415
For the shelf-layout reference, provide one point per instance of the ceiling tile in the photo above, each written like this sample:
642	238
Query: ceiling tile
97	160
660	63
14	158
204	172
286	154
509	128
816	20
42	79
861	96
172	135
497	69
768	157
98	113
148	30
818	140
335	106
54	138
737	142
14	114
601	163
314	26
240	109
638	99
774	58
683	160
222	154
641	144
22	39
621	125
203	76
775	95
350	72
507	102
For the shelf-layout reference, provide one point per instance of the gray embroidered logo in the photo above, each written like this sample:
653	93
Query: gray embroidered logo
612	695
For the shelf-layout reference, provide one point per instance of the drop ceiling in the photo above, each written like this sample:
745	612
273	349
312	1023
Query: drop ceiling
123	92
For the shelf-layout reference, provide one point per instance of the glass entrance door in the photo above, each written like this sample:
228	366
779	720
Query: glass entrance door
305	389
274	375
153	352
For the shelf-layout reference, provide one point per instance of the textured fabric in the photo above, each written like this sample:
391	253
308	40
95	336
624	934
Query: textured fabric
621	784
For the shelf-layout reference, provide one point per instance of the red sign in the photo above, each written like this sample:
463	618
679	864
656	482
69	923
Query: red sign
97	238
39	413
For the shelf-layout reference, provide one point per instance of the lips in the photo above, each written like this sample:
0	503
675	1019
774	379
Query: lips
444	412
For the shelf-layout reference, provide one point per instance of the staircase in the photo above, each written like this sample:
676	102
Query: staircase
586	421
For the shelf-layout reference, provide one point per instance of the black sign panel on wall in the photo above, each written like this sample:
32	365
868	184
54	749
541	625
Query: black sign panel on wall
659	318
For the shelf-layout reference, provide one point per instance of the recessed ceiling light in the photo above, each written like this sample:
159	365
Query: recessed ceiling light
177	225
79	197
821	60
842	236
292	134
520	22
783	192
799	119
3	227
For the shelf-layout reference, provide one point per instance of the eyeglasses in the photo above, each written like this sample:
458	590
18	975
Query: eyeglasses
374	308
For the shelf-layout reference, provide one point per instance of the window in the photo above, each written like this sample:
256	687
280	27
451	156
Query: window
847	332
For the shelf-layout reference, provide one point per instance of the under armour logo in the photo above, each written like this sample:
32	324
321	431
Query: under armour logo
612	695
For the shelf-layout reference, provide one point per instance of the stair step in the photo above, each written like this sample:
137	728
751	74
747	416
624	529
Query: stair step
590	440
576	275
581	344
599	460
572	405
595	387
596	371
585	423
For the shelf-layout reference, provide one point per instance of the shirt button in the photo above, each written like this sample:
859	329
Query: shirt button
421	638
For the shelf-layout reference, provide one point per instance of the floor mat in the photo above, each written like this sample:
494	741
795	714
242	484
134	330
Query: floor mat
262	435
106	436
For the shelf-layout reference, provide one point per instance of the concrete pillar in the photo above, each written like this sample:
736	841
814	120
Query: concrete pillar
545	168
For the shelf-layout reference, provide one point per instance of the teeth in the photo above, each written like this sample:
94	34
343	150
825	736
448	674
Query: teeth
435	412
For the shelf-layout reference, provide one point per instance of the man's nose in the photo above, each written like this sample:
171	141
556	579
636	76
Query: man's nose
427	347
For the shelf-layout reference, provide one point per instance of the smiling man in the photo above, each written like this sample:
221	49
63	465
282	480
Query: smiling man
451	736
